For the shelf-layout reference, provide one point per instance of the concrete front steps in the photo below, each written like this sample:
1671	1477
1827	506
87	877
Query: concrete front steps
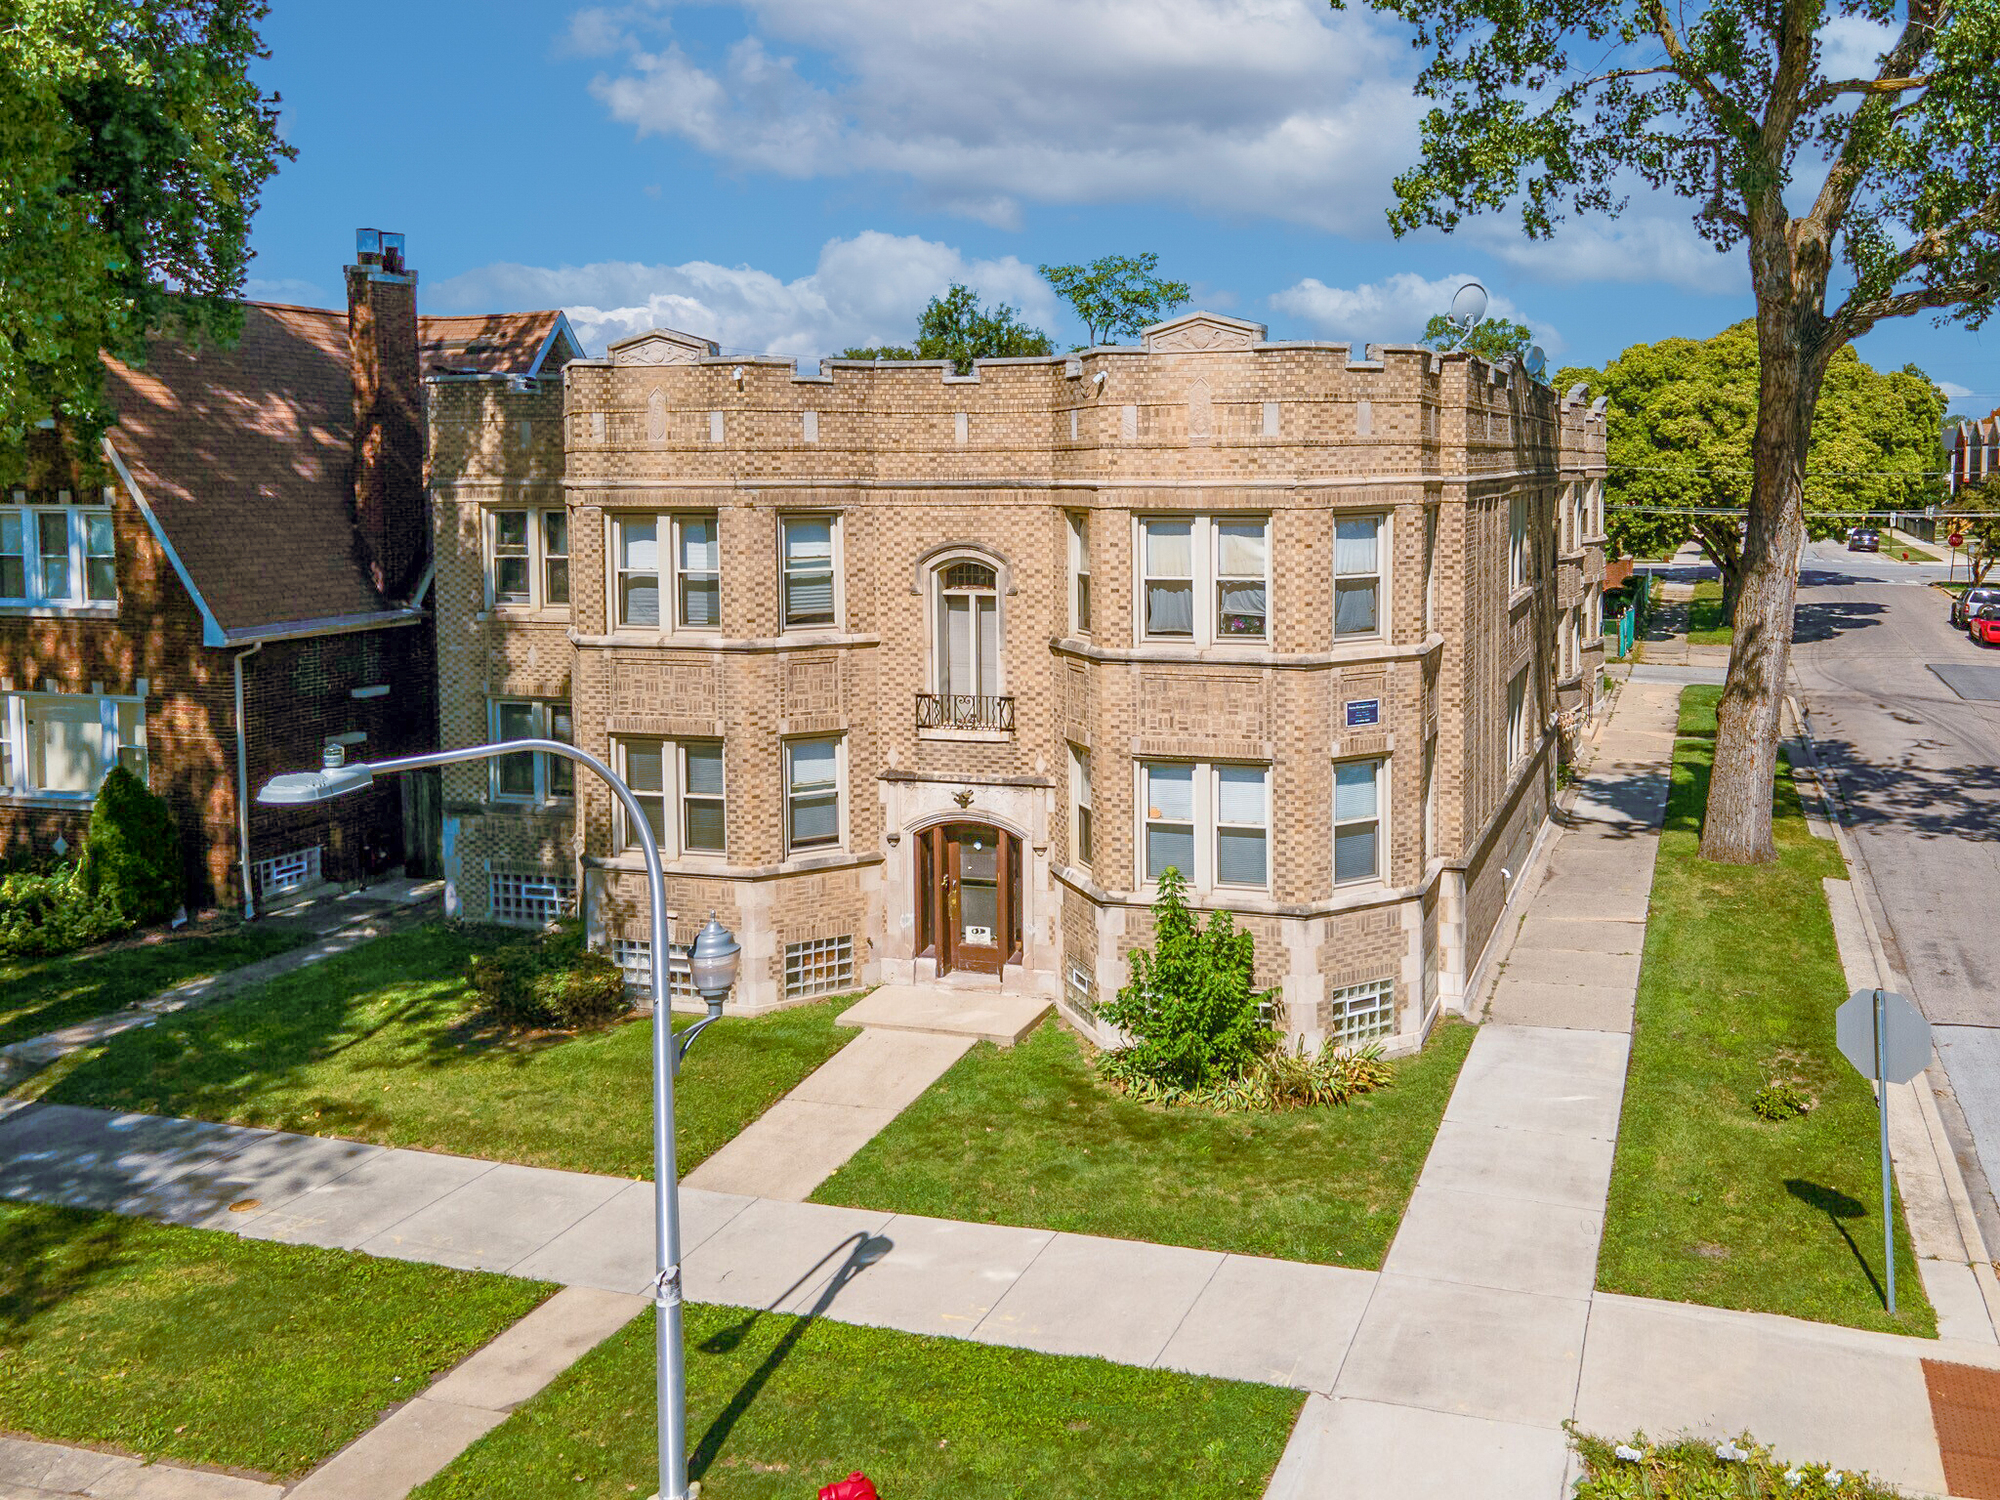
945	1010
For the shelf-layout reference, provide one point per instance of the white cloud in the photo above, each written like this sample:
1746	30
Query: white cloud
1395	309
1852	46
285	289
864	290
1280	107
1953	391
1637	247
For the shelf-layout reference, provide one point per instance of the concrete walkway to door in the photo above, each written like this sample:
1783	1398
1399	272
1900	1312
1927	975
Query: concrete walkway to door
910	1036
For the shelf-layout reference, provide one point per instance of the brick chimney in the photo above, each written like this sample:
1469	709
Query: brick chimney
389	502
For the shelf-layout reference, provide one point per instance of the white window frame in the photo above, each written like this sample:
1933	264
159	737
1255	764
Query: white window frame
673	795
1520	560
537	556
1380	766
1204	544
835	534
555	778
940	629
76	555
1082	816
1206	828
791	792
1079	571
670	577
1517	718
1380	575
120	740
1430	796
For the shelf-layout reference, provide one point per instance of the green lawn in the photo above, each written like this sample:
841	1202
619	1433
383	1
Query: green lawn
384	1044
1740	981
197	1346
778	1406
38	995
1706	627
1028	1136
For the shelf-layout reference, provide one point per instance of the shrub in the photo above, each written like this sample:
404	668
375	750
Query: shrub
132	859
1190	1010
550	979
45	913
1782	1099
1279	1080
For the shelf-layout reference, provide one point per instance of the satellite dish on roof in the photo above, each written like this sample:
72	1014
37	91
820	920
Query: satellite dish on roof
1468	307
1536	362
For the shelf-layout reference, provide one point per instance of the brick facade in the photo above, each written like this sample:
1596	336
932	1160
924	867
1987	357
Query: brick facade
926	472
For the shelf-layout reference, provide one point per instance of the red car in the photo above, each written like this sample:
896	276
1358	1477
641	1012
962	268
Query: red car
1983	625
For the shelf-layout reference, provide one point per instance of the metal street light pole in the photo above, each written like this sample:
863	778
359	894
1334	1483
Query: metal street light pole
712	961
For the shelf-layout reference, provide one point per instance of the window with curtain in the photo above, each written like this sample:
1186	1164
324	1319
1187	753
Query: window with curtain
1357	820
968	616
808	566
1242	567
1169	578
812	793
1357	575
664	774
1205	578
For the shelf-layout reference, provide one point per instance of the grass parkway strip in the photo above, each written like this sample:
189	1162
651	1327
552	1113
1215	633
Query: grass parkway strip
1029	1136
779	1405
385	1044
202	1348
1709	1203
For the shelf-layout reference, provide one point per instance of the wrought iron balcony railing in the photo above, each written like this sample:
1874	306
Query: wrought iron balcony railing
964	711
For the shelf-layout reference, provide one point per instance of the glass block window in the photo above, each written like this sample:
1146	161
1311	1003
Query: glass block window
1080	984
635	957
287	872
1358	1013
819	966
529	900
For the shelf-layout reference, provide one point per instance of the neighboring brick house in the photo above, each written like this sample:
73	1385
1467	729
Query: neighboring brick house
1973	449
251	585
927	676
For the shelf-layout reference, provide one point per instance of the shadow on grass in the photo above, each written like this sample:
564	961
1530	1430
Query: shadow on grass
1837	1205
48	1258
866	1249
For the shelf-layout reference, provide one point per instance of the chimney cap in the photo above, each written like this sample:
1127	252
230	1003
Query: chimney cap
379	247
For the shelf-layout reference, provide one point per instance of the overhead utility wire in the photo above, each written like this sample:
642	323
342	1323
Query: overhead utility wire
1810	473
1696	510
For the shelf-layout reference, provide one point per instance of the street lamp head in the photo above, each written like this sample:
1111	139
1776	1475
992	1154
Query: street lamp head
335	778
712	961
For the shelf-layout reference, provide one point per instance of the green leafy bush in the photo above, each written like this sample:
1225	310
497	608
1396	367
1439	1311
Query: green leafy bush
1697	1469
1782	1099
550	978
1190	1011
1280	1080
51	912
132	858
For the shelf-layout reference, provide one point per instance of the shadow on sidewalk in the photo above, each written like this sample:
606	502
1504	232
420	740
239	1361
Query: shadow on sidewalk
866	1250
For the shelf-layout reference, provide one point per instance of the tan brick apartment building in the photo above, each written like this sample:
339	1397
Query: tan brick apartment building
251	585
928	676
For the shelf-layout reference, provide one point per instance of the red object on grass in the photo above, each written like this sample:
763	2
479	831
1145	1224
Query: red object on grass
856	1486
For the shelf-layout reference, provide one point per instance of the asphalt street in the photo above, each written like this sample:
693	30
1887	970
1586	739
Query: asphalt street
1919	767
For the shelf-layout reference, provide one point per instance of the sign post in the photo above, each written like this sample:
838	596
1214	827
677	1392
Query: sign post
1888	1040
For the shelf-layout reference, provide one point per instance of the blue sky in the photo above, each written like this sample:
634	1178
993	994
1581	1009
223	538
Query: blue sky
792	176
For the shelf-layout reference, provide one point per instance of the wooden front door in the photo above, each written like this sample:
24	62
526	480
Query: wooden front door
969	894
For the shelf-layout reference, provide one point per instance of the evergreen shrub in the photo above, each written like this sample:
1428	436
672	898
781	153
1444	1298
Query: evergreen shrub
132	857
550	979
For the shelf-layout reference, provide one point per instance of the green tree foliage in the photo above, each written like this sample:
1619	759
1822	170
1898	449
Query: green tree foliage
132	857
550	978
1495	338
1681	418
132	149
1975	511
1189	1007
1116	294
1547	108
954	326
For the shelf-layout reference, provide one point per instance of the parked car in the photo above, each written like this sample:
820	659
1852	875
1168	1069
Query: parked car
1982	622
1970	600
1862	540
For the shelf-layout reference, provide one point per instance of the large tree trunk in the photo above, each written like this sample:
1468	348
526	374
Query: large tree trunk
1737	826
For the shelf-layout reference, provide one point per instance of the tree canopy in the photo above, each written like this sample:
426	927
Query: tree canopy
1116	294
133	146
1857	196
954	326
1494	338
1976	513
1681	417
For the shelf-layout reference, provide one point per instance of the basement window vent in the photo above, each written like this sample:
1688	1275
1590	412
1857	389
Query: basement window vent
1358	1013
635	957
819	966
529	900
286	873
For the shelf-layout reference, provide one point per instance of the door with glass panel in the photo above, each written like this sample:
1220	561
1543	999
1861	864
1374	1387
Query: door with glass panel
969	897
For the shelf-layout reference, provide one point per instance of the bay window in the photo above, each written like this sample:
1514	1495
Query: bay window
689	573
1357	575
1079	573
1357	820
812	794
1205	579
1080	817
678	785
1209	821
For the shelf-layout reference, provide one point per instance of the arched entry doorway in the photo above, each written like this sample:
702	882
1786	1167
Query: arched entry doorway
968	897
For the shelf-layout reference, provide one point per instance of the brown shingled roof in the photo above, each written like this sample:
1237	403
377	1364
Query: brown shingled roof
484	343
244	456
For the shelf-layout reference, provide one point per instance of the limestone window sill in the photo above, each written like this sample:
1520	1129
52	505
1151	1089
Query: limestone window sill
54	801
969	736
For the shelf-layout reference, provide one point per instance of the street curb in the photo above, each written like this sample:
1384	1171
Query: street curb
1943	1157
